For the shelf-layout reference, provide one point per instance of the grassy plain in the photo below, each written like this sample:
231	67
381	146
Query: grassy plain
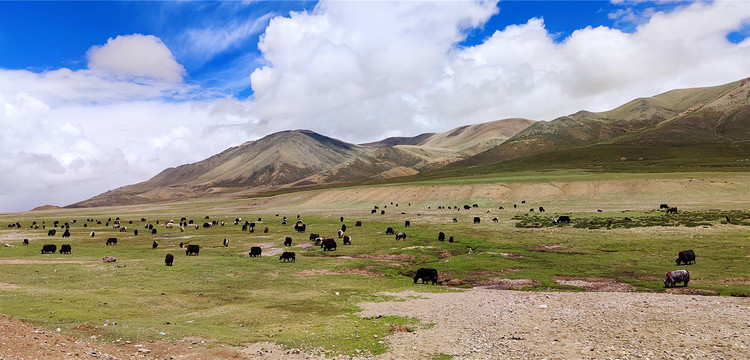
224	296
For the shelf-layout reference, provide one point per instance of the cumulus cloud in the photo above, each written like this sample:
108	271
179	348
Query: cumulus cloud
346	65
136	55
358	71
365	71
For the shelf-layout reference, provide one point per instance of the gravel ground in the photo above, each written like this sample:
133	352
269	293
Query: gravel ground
479	324
493	324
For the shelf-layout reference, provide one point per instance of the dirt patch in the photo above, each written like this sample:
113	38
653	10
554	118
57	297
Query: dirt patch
386	257
8	286
41	262
17	236
400	328
414	247
595	284
745	281
445	254
318	272
513	255
691	291
544	248
504	284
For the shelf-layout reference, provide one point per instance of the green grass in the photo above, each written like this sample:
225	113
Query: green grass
224	296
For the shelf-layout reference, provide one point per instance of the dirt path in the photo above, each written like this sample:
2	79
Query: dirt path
480	324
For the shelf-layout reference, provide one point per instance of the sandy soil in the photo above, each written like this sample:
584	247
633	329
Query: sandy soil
478	324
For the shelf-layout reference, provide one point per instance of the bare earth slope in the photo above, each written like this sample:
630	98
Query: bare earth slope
279	158
411	155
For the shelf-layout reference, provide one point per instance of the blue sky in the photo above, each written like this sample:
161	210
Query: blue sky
149	85
41	36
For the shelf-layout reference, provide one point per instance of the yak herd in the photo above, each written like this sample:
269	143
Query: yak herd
427	275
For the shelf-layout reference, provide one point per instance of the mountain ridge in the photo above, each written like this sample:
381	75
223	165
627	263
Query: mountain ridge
298	158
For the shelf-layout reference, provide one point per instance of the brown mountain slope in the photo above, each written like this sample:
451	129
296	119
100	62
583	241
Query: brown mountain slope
407	156
725	118
276	159
469	137
629	122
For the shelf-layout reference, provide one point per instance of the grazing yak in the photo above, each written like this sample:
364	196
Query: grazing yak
51	232
477	220
49	249
288	256
672	210
288	241
382	212
153	231
300	227
314	236
255	251
676	276
265	231
467	207
561	219
343	227
407	223
66	234
328	244
340	234
541	209
663	206
441	236
373	211
112	241
358	223
192	250
92	234
226	242
495	220
685	257
342	219
389	231
65	249
169	259
450	239
347	240
426	275
318	241
455	220
154	244
401	236
26	241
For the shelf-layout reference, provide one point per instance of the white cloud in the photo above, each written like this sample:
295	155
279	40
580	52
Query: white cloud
357	71
206	43
361	71
136	55
343	68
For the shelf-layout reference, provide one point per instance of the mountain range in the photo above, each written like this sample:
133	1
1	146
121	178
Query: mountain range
718	116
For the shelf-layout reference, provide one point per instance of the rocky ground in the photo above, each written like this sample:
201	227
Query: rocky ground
479	324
